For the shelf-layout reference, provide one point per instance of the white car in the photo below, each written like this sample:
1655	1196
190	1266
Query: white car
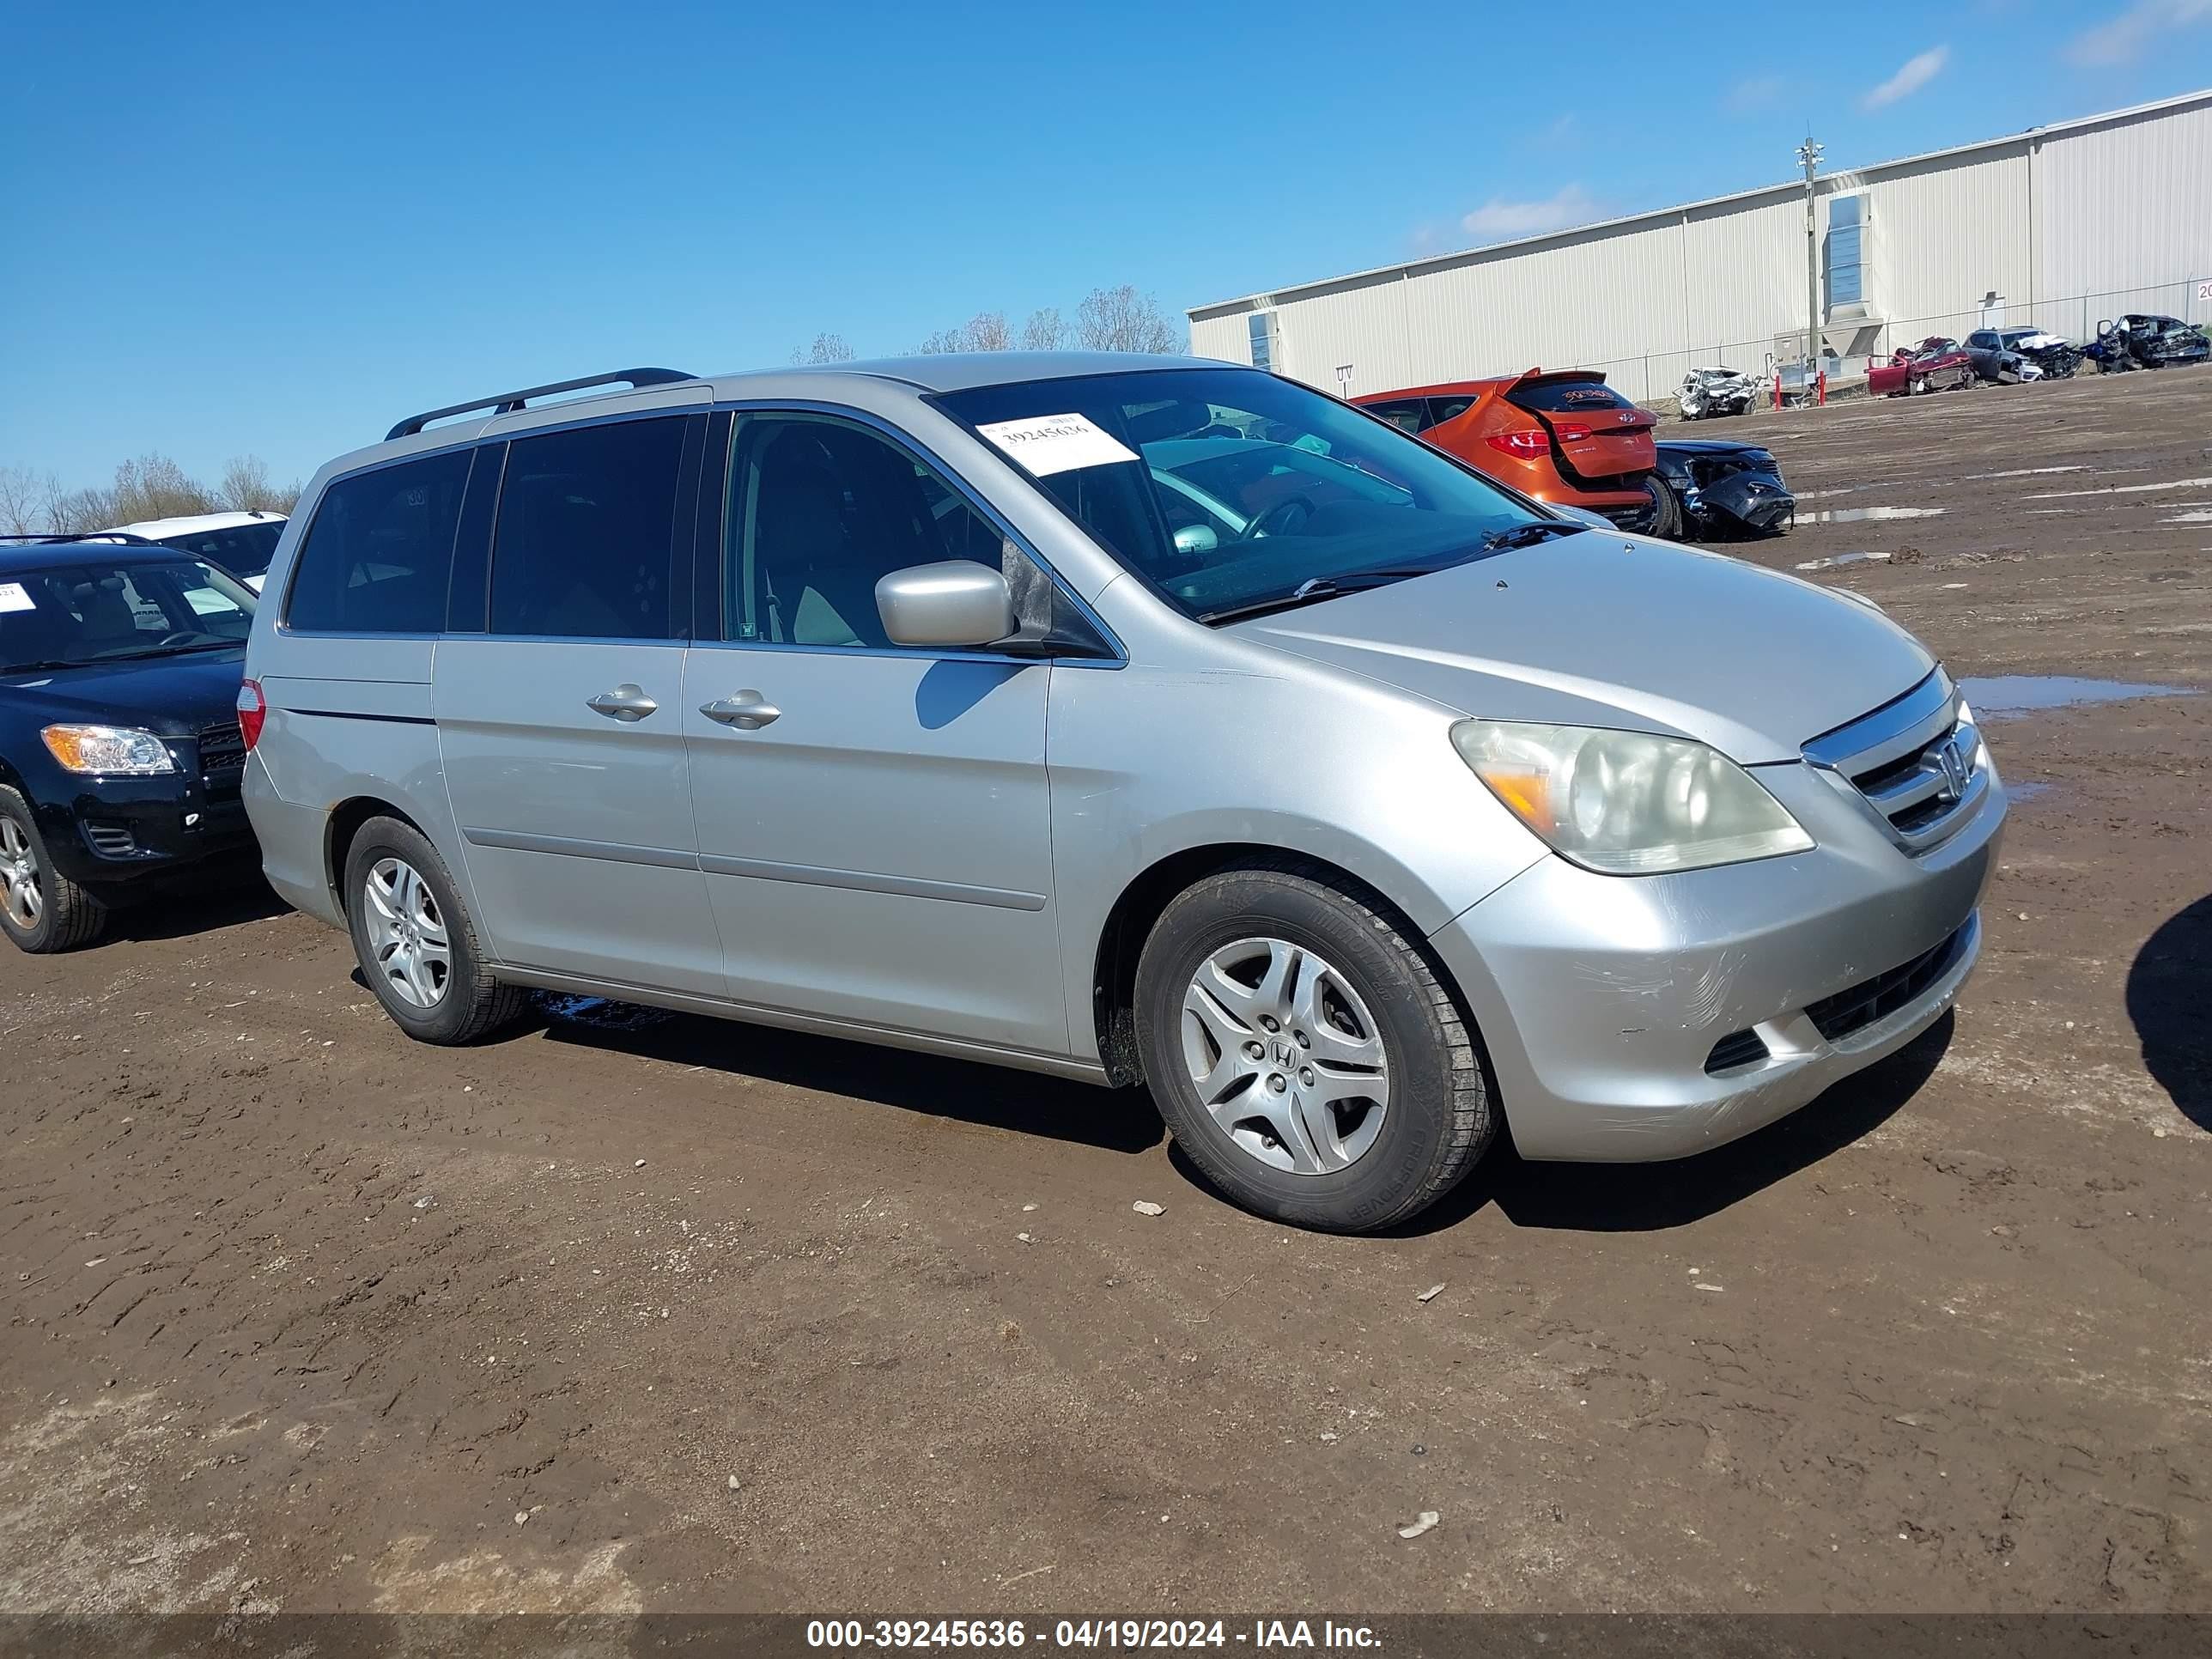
239	544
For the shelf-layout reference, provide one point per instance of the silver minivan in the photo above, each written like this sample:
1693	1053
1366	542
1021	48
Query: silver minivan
1130	720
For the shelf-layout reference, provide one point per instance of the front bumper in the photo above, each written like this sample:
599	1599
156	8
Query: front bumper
112	833
1603	999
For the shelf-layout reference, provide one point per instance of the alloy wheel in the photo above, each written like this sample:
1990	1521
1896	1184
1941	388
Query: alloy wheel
1285	1056
20	895
407	933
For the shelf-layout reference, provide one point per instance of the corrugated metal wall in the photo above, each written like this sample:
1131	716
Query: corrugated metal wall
2117	206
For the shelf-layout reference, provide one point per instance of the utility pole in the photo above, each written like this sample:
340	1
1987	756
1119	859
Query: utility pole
1809	154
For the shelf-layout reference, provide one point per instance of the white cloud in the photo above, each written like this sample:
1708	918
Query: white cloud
1916	73
2123	38
1496	219
1755	92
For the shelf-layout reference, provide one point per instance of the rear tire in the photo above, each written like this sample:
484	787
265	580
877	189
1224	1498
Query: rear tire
1344	969
416	942
42	911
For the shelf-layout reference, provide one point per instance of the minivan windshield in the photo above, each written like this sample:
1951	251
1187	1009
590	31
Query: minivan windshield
1228	490
73	614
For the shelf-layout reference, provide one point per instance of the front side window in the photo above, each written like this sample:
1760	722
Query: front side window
1407	414
1224	488
66	616
820	509
585	543
379	554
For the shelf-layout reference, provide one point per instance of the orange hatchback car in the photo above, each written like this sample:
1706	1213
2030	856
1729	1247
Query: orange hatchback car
1566	438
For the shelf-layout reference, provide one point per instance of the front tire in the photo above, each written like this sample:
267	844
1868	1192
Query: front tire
42	911
1304	1053
1662	519
415	941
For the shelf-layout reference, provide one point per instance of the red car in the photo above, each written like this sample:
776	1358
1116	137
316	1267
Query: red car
1566	437
1936	364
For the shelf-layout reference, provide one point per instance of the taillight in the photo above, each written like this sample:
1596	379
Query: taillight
1528	446
1570	432
252	712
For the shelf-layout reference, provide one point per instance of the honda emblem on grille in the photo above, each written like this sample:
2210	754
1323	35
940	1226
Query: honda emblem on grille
1954	763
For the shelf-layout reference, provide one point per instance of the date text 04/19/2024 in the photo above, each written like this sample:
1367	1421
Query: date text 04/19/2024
1111	1634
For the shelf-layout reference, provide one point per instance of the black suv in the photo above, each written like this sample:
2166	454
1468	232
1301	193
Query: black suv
120	753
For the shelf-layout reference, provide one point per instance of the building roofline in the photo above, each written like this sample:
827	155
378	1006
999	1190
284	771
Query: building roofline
1266	297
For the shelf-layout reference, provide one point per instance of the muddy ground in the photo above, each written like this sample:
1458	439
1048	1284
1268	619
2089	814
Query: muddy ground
655	1312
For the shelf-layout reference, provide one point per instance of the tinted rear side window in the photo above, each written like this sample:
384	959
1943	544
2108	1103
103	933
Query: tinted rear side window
380	553
1449	409
585	546
243	550
1565	397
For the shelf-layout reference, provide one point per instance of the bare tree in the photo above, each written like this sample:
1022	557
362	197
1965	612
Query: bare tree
154	486
1122	320
1044	331
23	497
987	330
74	512
826	349
246	487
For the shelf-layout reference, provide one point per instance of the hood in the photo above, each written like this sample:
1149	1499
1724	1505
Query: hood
1606	629
170	697
1689	446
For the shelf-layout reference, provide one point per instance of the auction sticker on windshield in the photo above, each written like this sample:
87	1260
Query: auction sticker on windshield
13	598
1046	444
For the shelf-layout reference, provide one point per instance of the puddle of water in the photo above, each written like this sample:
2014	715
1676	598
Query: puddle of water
1844	558
2121	489
2020	693
2017	793
602	1015
1854	514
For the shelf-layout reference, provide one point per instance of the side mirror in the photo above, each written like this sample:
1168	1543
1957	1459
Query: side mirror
1196	538
955	603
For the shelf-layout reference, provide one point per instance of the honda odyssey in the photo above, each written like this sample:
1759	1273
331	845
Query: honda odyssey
1129	719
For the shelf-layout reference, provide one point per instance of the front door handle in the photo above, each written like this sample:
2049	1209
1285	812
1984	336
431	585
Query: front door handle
625	702
748	711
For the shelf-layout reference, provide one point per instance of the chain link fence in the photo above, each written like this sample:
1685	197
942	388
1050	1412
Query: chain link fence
1656	376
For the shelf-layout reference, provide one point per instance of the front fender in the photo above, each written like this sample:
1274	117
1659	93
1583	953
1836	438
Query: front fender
1147	764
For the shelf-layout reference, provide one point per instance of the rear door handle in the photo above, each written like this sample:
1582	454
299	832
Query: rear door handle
748	711
626	703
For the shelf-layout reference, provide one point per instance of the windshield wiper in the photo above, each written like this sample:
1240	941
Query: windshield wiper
1529	534
171	651
1315	589
40	667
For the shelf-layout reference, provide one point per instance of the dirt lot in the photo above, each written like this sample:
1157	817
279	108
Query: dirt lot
645	1311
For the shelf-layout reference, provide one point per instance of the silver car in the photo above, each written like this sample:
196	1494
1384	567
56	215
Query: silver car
1129	719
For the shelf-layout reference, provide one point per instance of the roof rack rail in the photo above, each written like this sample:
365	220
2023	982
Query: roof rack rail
33	537
508	402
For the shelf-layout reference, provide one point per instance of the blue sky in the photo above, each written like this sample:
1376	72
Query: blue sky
277	229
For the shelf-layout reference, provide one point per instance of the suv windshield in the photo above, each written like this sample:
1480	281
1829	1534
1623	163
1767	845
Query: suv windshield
66	616
1225	488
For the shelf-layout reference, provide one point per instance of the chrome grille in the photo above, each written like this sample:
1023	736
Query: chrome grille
1916	764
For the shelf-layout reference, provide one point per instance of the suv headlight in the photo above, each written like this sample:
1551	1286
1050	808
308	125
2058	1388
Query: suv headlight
108	750
1626	803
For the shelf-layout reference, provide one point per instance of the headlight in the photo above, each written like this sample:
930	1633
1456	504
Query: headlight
1627	804
108	750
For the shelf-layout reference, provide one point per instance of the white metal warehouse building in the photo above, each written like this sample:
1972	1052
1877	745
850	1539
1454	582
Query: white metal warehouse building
2064	225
